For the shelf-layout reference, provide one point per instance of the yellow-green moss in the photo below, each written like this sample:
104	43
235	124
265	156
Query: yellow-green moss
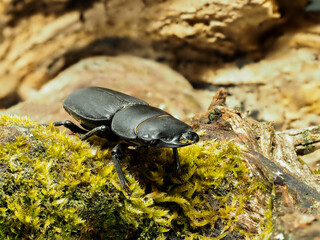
316	171
53	186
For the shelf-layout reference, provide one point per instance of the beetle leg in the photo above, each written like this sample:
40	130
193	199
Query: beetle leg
103	129
119	152
70	125
176	158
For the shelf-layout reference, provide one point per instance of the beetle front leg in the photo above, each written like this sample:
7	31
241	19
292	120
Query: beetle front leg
70	125
119	152
176	158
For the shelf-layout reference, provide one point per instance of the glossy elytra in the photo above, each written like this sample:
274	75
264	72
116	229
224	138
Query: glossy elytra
117	116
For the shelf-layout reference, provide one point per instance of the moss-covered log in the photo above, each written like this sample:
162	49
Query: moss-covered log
55	186
233	185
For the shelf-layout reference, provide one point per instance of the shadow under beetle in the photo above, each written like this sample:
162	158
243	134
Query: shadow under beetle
117	116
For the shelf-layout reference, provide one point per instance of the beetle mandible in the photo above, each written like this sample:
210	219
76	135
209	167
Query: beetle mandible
117	116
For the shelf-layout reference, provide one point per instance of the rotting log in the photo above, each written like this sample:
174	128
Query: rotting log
285	197
273	157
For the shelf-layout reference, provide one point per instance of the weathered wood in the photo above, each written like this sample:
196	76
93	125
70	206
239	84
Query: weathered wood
271	157
305	141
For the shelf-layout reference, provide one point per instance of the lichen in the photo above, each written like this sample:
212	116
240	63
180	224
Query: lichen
54	186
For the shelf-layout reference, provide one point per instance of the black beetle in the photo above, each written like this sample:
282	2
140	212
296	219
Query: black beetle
117	116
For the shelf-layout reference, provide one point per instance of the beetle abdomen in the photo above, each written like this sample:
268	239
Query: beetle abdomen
94	106
126	122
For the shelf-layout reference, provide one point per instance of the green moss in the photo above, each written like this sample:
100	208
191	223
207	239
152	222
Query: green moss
316	171
53	186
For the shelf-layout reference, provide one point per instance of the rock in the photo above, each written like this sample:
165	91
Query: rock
145	79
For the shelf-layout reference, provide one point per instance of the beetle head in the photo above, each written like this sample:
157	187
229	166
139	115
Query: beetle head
182	140
189	137
167	132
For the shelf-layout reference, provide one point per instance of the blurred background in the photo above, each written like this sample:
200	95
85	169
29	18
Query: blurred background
174	54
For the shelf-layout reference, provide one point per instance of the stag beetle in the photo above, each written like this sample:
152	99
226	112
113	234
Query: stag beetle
117	116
